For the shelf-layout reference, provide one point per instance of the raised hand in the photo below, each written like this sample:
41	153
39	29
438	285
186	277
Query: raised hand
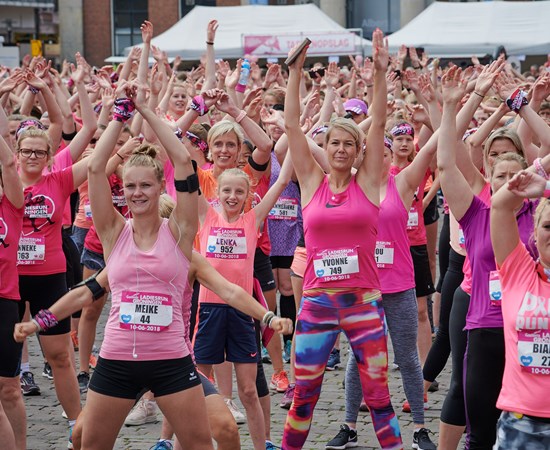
157	53
157	80
32	80
453	86
415	61
272	117
401	53
366	71
272	74
332	74
232	77
380	50
426	87
488	76
298	64
108	98
211	29
527	184
146	31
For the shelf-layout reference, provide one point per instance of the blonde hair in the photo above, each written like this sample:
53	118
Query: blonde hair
146	156
223	127
33	132
509	157
349	126
501	133
234	172
166	206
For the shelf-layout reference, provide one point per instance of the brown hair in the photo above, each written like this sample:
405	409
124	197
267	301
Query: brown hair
146	156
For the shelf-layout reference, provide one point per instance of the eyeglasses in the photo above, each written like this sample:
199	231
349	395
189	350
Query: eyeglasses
38	154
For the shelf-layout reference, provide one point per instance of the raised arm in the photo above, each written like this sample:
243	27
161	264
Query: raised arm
456	189
210	72
184	218
309	173
370	171
11	183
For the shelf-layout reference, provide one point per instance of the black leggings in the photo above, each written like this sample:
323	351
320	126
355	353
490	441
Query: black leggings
441	348
484	370
453	411
443	249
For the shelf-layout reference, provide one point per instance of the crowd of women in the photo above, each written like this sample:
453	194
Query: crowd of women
187	199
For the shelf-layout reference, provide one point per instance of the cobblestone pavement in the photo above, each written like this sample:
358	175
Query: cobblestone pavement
48	430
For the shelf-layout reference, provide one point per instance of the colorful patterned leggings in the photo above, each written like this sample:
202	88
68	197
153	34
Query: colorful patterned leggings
322	316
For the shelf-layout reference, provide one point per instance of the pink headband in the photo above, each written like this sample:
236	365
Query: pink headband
29	123
402	129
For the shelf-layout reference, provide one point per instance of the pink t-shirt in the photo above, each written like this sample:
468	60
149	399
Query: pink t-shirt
340	232
525	311
62	160
147	307
229	248
83	218
11	222
40	250
393	255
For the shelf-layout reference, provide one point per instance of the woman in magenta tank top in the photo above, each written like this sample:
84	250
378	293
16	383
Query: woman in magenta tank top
147	262
341	286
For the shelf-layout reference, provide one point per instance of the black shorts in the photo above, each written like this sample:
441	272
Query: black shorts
431	213
422	273
207	386
126	379
42	291
281	262
10	351
72	256
263	271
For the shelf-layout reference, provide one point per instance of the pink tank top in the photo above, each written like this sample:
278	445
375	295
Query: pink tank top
485	197
147	320
229	248
340	233
393	255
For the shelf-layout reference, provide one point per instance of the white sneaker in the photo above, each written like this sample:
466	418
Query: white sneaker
237	415
144	412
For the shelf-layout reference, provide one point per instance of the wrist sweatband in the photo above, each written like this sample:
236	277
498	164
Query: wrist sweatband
45	319
546	193
198	105
256	166
240	88
179	134
240	117
190	184
34	90
37	325
68	136
124	109
517	100
540	170
91	283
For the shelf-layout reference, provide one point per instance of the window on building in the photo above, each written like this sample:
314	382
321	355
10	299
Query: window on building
128	15
188	5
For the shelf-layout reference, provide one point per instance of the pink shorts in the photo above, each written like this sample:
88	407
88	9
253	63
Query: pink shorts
298	266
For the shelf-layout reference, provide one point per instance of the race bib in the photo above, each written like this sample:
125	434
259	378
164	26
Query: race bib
226	243
413	218
145	311
336	264
284	209
534	351
88	211
383	254
495	291
31	250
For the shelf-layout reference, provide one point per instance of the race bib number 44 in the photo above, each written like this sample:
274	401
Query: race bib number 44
145	311
226	243
336	264
31	250
534	351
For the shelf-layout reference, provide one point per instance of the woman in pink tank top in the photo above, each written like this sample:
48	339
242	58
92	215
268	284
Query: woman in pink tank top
341	286
147	262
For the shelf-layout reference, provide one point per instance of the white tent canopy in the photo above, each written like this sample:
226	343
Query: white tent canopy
187	37
463	29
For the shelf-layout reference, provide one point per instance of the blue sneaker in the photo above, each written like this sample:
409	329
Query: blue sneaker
286	351
162	445
270	445
70	443
265	356
333	360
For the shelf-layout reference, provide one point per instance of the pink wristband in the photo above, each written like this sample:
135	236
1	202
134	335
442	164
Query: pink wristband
546	193
240	117
540	170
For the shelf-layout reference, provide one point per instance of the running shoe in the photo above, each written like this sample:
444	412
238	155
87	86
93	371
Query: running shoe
145	411
28	386
74	338
279	381
70	443
163	444
265	356
286	351
47	371
93	357
270	445
83	381
333	360
422	441
434	387
286	401
346	438
407	407
237	414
